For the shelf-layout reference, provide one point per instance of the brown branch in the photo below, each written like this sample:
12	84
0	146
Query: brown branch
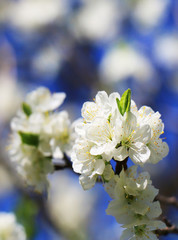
167	200
68	164
170	229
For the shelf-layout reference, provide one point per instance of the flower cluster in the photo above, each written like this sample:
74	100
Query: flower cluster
133	205
9	228
113	128
40	134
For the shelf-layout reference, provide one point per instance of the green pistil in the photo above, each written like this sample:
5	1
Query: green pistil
139	216
129	198
118	145
109	118
139	230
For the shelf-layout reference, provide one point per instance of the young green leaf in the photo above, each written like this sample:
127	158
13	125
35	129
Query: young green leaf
29	138
125	102
27	109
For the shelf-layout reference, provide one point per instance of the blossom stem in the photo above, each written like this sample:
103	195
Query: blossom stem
121	165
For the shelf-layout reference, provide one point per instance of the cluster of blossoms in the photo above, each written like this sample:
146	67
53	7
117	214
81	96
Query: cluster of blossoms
9	228
39	135
113	128
133	205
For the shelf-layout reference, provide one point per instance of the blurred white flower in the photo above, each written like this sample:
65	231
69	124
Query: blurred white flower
59	131
69	205
122	62
30	163
10	97
5	180
9	228
41	100
31	14
166	51
40	135
47	61
97	19
149	13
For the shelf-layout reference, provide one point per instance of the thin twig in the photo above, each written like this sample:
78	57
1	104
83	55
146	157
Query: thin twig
68	164
170	229
167	200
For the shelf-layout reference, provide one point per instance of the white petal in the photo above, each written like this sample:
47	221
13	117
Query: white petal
134	109
139	153
159	150
99	131
57	153
129	123
87	182
56	100
101	98
127	234
99	167
98	150
121	153
89	111
143	134
155	210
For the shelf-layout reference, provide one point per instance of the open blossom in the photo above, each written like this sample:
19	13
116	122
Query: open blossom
39	135
9	228
132	140
41	100
103	106
90	166
143	232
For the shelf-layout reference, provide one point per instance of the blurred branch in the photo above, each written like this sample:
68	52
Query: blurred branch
167	200
68	164
170	229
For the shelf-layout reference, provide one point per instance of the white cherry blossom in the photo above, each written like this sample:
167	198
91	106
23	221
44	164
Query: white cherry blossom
101	133
90	166
103	106
41	100
132	140
9	228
